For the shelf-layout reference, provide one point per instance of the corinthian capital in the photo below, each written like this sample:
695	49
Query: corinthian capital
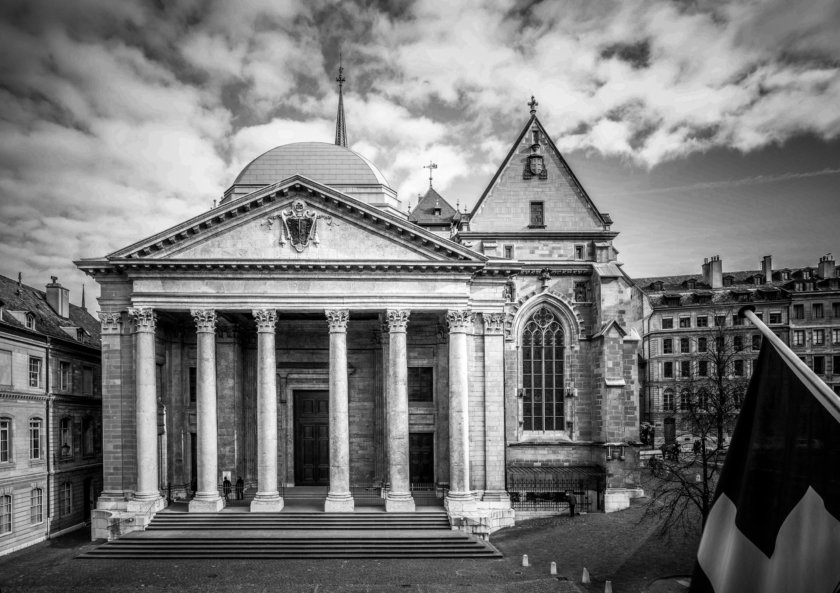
266	319
494	323
110	322
337	319
460	320
205	320
397	319
144	319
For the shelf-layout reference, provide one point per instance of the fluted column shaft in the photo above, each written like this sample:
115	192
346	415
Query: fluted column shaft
146	405
207	494
460	322
494	408
267	497
339	498
399	496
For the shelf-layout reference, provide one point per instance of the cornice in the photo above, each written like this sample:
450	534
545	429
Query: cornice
556	235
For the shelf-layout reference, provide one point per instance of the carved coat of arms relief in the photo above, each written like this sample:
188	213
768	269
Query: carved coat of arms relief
299	225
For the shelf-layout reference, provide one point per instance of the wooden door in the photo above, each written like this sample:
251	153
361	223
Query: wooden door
421	458
312	438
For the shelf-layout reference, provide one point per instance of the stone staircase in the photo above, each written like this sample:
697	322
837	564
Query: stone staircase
296	535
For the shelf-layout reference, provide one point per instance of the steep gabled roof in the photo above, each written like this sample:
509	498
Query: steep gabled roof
424	213
605	220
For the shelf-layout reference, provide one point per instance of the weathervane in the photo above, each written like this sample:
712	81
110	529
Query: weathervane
430	166
533	105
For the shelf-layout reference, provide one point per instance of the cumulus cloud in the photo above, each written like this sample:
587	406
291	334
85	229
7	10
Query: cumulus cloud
118	119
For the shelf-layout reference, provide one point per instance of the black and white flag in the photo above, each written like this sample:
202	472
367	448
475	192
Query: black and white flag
775	520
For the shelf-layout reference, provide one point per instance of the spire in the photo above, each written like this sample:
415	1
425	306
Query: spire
533	105
340	128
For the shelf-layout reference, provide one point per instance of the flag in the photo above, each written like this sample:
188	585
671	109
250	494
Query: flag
775	518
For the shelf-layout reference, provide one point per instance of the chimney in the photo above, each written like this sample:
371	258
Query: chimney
767	268
826	268
58	297
713	271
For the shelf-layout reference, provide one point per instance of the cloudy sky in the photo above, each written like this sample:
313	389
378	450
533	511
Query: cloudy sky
703	128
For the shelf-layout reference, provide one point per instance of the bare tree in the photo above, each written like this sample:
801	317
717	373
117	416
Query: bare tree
709	396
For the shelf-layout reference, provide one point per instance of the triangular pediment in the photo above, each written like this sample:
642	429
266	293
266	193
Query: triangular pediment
297	220
506	203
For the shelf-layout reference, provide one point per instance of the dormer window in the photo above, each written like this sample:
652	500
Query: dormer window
80	334
691	283
657	285
728	280
30	321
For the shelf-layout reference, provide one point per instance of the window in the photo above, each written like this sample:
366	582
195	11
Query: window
737	320
799	311
34	372
685	368
30	321
5	440
36	506
5	514
87	381
35	438
703	368
819	365
65	437
420	384
685	321
702	398
738	368
193	383
738	343
684	346
88	436
835	310
702	344
727	280
667	323
835	364
668	400
756	342
835	336
5	368
798	337
702	321
508	251
685	400
65	499
720	320
817	310
668	370
537	215
719	344
579	251
542	372
775	317
65	376
667	346
819	337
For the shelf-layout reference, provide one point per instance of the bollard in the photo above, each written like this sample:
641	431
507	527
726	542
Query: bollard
525	560
608	587
553	568
585	578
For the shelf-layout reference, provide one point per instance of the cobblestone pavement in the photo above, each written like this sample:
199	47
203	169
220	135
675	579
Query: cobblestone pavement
613	547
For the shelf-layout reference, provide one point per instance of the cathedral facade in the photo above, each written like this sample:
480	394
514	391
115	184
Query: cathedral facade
306	335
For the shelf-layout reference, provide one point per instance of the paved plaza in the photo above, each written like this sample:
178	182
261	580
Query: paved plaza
615	547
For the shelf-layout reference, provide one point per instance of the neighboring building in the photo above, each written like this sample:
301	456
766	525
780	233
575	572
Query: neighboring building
306	310
50	414
801	306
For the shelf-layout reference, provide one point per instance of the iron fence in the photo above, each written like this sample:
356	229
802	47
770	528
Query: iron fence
554	491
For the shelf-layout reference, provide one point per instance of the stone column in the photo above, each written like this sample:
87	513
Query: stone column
146	405
267	499
339	499
399	497
112	394
207	498
460	498
494	408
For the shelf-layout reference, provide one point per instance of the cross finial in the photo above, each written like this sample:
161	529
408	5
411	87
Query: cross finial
340	78
430	166
533	105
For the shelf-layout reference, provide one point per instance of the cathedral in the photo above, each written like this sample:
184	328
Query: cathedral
307	336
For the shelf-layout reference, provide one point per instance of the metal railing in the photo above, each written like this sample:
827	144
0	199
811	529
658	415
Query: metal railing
553	495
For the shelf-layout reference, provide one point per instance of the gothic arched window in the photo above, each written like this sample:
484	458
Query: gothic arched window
542	372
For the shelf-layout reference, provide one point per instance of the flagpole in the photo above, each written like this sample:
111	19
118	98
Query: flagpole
821	391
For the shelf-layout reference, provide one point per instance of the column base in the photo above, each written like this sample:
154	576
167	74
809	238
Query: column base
267	504
206	505
399	503
459	502
339	503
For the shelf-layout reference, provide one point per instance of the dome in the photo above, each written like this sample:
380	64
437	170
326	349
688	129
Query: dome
328	164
